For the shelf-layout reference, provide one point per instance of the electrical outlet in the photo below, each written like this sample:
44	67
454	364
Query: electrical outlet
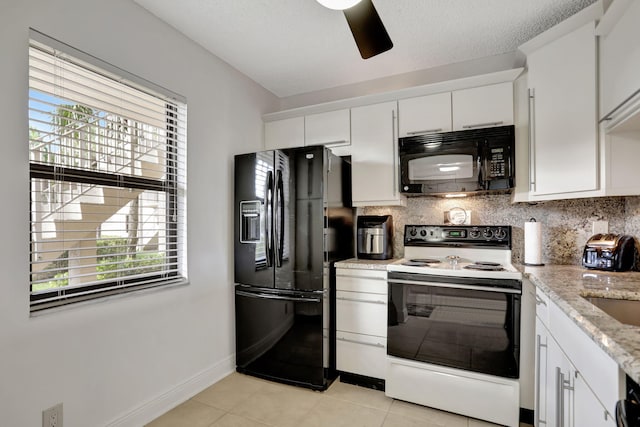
52	417
600	227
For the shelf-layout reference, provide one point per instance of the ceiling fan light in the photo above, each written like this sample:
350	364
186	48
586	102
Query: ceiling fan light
338	4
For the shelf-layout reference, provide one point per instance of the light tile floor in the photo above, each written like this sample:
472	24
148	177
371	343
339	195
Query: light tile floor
243	401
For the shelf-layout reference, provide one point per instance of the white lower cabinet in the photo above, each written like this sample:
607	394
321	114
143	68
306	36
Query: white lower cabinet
567	396
361	321
588	411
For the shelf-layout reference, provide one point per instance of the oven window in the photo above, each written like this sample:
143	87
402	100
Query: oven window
474	330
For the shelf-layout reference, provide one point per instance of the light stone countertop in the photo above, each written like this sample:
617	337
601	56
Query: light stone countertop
567	284
367	264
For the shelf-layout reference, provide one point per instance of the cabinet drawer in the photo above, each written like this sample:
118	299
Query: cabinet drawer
542	307
361	313
361	354
370	281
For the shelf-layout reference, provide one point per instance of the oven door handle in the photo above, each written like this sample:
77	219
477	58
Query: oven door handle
455	286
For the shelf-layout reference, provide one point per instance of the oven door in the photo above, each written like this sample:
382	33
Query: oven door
466	323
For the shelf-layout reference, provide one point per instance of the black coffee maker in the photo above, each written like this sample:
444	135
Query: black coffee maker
375	236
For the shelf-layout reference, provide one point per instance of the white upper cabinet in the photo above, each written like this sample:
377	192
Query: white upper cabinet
425	114
477	107
374	156
332	129
563	116
286	133
620	59
482	107
621	172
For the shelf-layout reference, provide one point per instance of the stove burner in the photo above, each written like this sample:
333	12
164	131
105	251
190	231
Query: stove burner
485	266
488	263
421	262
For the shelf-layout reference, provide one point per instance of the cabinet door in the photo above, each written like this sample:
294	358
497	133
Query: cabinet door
559	385
374	155
332	129
620	60
286	133
425	114
543	413
563	112
622	151
554	399
588	410
483	106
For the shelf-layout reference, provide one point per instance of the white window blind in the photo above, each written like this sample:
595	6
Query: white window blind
108	179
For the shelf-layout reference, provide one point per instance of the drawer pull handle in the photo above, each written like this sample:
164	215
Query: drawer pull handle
481	125
361	300
355	276
540	301
420	132
336	143
377	344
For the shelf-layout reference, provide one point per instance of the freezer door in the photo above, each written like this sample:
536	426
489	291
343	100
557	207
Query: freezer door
279	336
299	218
253	224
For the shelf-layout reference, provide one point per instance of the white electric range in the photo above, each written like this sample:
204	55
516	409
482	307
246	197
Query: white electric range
453	335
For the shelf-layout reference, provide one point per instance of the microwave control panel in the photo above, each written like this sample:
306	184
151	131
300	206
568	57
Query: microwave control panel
497	162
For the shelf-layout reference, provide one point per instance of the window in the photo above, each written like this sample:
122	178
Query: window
108	179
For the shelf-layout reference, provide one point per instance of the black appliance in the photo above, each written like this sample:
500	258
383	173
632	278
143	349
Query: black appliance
628	409
476	160
375	237
292	221
610	252
471	342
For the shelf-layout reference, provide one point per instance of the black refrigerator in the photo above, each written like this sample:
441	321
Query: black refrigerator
293	220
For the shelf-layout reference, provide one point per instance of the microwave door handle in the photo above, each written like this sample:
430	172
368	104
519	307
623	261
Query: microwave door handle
481	172
370	243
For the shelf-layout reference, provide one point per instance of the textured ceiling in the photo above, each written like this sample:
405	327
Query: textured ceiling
292	47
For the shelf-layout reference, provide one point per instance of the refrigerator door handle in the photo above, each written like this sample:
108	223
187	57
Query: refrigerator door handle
279	219
277	297
268	201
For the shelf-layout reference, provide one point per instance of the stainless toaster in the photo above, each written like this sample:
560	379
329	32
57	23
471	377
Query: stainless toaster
610	252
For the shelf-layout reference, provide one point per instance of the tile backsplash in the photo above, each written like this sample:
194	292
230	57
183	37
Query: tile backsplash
566	224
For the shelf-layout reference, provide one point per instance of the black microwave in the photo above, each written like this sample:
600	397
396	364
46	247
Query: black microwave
476	160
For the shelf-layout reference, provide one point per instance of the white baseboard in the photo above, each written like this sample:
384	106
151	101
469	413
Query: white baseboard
168	400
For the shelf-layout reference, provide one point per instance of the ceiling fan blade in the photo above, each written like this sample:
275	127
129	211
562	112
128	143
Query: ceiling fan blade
368	31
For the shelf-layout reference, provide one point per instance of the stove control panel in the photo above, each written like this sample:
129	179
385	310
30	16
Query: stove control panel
458	235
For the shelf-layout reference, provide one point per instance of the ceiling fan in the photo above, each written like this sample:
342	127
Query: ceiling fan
366	26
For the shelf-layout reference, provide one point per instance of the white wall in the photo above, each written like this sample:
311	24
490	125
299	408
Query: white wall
458	70
123	361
